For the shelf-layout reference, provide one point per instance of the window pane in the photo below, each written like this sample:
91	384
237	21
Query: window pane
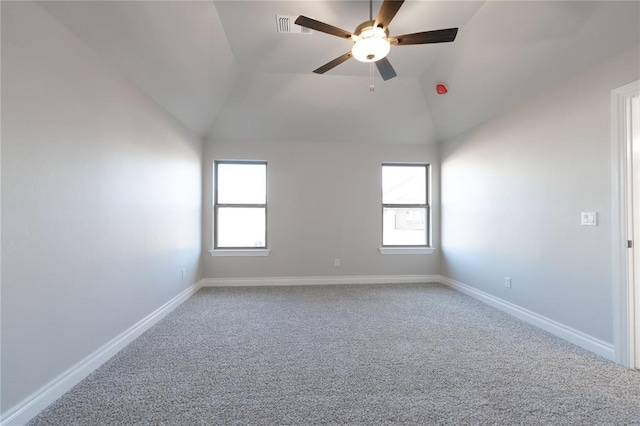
404	185
404	227
241	227
242	183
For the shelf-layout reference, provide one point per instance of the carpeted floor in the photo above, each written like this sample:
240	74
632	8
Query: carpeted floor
412	354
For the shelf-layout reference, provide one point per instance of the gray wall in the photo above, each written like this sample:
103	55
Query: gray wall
324	203
101	202
512	193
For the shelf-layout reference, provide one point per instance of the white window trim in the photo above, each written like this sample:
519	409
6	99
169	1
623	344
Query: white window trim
429	204
246	252
406	250
239	252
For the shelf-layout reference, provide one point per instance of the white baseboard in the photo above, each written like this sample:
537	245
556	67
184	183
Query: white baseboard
576	337
285	281
39	400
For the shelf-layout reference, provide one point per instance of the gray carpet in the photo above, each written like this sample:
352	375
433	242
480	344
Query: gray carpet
410	354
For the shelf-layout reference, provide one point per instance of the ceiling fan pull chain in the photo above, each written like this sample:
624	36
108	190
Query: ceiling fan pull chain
372	86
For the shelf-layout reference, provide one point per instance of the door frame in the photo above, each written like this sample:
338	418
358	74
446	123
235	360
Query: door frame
624	308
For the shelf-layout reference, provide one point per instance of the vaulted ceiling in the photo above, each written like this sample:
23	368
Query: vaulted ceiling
223	70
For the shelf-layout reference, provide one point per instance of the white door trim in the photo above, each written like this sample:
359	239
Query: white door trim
623	299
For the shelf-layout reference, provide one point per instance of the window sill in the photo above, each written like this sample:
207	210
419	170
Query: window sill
240	252
406	250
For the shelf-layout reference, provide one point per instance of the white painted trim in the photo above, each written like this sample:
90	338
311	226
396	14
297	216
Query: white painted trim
43	397
285	281
623	308
248	252
406	250
576	337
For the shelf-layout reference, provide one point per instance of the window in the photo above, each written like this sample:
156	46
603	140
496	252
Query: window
405	207
240	205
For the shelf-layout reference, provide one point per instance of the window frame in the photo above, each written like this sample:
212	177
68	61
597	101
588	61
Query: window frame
225	250
408	249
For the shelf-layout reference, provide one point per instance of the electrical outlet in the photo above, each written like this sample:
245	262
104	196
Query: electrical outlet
507	282
336	262
184	273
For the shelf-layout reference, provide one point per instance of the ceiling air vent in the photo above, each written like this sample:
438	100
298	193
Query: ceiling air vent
286	24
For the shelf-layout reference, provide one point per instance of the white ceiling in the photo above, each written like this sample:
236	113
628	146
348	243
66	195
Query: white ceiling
175	51
222	69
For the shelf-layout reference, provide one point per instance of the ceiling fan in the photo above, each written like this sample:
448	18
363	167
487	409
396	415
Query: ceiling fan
371	40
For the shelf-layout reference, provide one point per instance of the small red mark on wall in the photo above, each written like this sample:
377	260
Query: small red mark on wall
441	88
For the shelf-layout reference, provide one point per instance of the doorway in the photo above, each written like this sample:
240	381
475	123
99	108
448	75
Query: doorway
625	103
635	194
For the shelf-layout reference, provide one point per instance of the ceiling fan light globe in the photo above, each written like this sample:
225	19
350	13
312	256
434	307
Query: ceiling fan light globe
370	49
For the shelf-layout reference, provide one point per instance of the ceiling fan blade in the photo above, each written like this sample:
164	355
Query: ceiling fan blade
437	36
330	65
322	27
387	11
386	70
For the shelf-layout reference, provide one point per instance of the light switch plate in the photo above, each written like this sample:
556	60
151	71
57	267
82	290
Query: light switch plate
589	219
